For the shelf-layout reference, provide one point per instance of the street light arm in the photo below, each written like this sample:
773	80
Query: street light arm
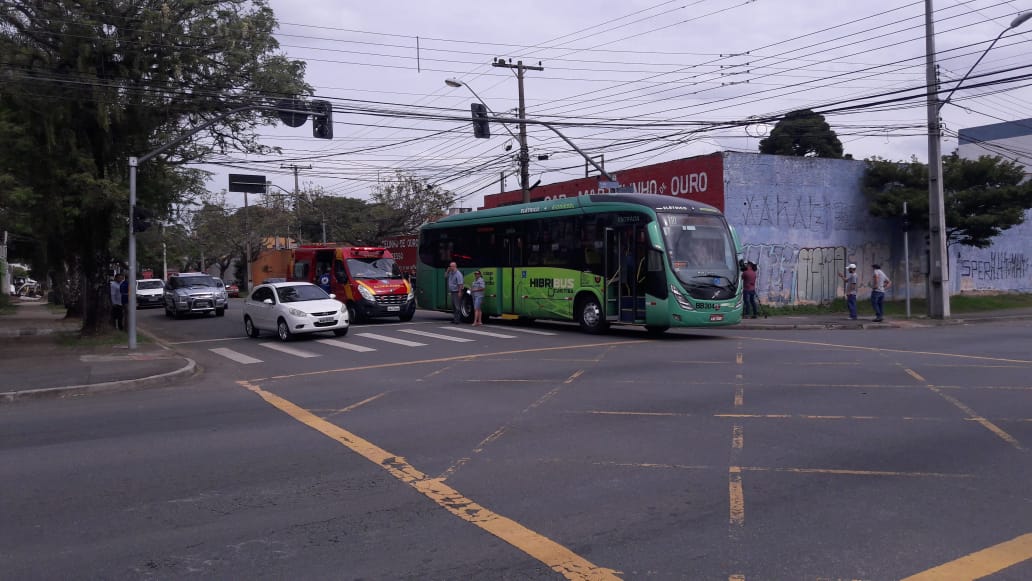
586	157
1018	21
458	83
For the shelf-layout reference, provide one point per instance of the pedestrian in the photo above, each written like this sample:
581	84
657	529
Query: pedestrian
879	282
115	293
852	282
123	289
749	290
455	283
477	288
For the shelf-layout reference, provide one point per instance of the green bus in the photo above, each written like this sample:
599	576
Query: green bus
597	259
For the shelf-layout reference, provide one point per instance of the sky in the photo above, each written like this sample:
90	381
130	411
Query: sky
635	82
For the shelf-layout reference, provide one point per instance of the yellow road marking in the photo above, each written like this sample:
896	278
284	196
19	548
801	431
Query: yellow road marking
738	358
355	405
444	360
739	396
840	472
737	437
982	563
575	375
737	503
881	349
972	414
736	578
552	554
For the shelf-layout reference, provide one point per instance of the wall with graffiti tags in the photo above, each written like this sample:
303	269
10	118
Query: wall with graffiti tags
802	220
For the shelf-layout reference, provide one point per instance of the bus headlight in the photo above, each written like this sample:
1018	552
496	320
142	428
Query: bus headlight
366	293
681	299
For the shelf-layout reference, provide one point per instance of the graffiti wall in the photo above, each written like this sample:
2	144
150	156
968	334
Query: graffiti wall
802	221
1006	265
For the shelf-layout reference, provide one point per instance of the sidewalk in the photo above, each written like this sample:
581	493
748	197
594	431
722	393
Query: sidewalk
36	364
842	321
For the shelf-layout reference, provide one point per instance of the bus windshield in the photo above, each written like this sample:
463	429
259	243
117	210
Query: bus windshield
701	251
374	268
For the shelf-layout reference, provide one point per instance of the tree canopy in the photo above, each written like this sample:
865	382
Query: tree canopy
802	133
982	197
86	85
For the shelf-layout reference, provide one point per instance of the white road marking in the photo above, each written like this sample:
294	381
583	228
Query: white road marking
531	331
289	350
437	336
343	345
462	329
238	357
391	340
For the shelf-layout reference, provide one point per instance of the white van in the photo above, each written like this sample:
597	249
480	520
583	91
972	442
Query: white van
149	293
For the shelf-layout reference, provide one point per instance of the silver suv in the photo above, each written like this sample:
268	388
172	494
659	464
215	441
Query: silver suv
195	292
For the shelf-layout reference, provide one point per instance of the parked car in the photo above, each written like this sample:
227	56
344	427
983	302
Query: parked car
232	290
195	293
150	292
291	308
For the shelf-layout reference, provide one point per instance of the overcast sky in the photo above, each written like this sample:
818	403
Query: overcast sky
636	81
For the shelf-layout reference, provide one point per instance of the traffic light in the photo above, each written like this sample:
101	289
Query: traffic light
905	223
481	123
141	219
322	119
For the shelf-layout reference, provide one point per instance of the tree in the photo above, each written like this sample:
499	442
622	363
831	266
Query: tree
802	133
982	197
89	84
402	206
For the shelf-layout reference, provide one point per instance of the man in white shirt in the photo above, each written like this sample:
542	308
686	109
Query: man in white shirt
879	282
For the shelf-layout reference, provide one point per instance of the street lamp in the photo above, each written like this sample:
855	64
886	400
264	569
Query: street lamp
938	276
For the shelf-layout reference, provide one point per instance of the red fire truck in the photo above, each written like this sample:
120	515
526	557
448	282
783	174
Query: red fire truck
365	278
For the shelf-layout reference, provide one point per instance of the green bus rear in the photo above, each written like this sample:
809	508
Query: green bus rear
598	260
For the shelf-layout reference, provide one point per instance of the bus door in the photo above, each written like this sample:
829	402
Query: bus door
507	275
626	253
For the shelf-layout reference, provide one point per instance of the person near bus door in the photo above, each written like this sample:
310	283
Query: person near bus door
453	278
477	289
749	290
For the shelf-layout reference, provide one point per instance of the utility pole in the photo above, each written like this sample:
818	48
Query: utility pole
524	151
938	268
297	192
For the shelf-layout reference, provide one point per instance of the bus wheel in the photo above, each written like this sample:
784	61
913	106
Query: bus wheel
655	330
589	315
466	309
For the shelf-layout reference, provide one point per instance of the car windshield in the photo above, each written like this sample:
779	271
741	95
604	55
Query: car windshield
301	292
701	250
189	281
148	284
374	268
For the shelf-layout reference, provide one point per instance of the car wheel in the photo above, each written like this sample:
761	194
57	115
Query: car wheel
220	312
589	315
406	317
168	313
340	332
175	313
249	328
282	330
353	314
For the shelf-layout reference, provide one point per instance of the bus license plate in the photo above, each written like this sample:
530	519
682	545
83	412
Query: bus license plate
716	317
326	319
393	308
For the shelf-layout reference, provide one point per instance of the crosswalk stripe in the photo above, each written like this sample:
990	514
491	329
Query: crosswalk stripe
391	340
478	332
531	331
238	357
436	336
289	350
343	345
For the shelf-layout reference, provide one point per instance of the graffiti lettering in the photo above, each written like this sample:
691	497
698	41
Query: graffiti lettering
997	266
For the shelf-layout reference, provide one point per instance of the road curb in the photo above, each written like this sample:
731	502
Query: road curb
109	386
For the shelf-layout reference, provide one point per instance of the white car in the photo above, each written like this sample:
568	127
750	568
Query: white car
291	308
150	292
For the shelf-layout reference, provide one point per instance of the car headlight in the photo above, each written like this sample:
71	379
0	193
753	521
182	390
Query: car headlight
366	293
411	295
297	313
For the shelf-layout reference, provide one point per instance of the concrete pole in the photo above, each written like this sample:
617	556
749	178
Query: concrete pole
524	150
131	307
938	266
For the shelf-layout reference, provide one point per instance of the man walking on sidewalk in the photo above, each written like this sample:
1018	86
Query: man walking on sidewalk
852	281
879	282
115	291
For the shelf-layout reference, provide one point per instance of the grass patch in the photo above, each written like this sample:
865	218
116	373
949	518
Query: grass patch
963	303
107	339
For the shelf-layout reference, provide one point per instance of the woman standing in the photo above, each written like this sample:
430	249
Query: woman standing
477	289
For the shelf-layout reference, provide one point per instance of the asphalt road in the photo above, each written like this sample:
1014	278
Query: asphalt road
536	452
